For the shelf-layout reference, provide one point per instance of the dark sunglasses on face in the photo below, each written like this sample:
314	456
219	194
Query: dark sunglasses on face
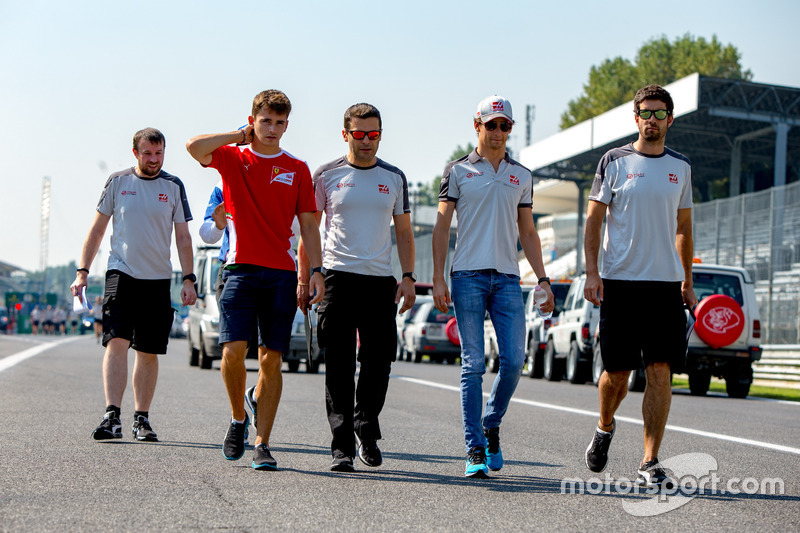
372	135
505	127
645	114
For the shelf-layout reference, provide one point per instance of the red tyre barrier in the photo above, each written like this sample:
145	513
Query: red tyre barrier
720	320
452	331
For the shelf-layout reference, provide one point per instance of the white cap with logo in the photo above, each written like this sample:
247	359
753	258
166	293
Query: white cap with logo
493	107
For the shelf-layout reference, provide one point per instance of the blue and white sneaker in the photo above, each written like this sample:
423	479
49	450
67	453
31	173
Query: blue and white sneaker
494	456
250	400
476	463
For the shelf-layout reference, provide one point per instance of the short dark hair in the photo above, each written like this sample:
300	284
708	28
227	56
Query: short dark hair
653	92
361	110
149	134
273	99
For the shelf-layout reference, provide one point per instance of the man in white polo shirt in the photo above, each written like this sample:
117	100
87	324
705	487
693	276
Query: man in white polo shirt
493	196
361	195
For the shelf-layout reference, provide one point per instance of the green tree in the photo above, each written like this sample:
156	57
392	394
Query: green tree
658	61
428	194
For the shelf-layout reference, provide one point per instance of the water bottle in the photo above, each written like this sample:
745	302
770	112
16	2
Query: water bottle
539	298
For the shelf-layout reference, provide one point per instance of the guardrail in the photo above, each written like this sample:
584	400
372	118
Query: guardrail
779	362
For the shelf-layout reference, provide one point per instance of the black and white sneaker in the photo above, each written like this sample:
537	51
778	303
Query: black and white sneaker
652	475
369	453
262	459
597	452
341	463
109	428
250	400
142	430
235	440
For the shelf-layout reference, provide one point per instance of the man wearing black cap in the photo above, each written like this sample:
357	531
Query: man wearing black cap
493	195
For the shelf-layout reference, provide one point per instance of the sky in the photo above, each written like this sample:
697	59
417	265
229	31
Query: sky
77	79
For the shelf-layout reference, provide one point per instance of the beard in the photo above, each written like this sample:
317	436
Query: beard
150	173
654	136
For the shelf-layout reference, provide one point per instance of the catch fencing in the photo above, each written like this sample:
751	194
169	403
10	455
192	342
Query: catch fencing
760	232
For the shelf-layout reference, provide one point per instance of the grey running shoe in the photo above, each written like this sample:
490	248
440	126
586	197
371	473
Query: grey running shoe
597	452
235	439
142	430
109	428
369	453
652	475
250	400
342	463
262	459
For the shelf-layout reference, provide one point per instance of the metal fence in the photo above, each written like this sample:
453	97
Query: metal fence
760	232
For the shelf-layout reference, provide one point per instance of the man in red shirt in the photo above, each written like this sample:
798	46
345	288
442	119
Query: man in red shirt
264	189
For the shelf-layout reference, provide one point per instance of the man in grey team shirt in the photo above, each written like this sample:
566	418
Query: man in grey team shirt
646	188
493	197
144	203
360	195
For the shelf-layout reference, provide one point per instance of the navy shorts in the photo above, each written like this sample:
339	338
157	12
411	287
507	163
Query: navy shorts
139	310
265	296
642	321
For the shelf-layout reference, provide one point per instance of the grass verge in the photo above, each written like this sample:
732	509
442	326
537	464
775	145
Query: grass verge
777	393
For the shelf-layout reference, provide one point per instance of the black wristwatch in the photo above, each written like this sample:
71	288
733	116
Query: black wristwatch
410	275
190	277
545	278
316	269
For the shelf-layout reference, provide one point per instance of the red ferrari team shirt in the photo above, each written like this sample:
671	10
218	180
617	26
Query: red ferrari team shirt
263	193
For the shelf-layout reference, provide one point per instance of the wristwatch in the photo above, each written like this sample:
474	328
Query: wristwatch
542	279
190	277
410	275
316	269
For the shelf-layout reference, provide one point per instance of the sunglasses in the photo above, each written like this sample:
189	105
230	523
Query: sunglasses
372	135
505	127
645	114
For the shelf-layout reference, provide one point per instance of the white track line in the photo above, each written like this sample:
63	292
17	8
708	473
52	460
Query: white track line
594	414
11	360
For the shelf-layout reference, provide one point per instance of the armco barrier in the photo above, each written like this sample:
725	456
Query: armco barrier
779	362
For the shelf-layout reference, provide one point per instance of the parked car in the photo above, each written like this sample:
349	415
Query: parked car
434	333
536	327
298	345
403	321
203	330
569	347
490	346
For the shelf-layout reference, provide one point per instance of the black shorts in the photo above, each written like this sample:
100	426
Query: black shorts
642	321
139	310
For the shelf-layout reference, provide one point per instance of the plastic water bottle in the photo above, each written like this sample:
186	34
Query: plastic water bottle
539	298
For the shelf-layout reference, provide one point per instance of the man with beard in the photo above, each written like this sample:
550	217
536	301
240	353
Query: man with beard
144	202
646	188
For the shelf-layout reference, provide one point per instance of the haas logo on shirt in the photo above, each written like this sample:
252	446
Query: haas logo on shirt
673	178
383	189
281	175
514	180
163	198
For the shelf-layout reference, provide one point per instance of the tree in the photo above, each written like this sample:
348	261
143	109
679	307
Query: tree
429	194
658	61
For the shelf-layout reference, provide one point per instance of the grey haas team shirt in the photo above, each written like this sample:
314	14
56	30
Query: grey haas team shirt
359	204
487	204
143	211
643	194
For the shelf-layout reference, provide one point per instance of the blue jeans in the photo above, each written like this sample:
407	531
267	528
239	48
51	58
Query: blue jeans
475	292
